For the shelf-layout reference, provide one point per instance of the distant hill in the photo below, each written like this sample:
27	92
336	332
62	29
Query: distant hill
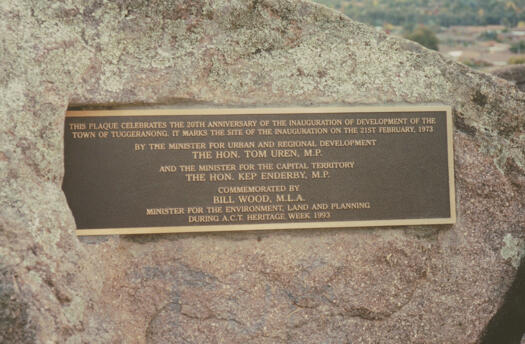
432	12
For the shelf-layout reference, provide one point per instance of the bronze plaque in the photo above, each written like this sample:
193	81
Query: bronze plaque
193	170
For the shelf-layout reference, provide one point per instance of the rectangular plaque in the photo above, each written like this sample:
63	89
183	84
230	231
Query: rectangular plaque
194	170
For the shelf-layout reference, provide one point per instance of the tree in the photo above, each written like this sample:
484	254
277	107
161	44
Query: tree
518	47
424	36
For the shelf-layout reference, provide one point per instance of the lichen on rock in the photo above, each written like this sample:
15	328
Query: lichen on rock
513	249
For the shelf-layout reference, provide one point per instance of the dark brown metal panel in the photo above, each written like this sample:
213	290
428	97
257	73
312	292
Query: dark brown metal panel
154	171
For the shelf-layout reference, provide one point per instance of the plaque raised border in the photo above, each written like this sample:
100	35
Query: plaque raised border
245	113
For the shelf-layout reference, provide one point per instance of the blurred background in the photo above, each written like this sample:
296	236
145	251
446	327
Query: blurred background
487	34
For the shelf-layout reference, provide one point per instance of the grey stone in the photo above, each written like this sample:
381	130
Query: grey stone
514	73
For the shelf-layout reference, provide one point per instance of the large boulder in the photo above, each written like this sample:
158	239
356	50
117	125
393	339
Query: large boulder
513	73
414	284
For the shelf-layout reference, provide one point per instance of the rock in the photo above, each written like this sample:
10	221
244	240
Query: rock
514	73
418	284
508	325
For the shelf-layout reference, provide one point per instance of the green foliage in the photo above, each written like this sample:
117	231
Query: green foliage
518	47
489	36
516	60
424	36
433	12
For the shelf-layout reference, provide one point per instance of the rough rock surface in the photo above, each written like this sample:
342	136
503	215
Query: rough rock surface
434	284
515	73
